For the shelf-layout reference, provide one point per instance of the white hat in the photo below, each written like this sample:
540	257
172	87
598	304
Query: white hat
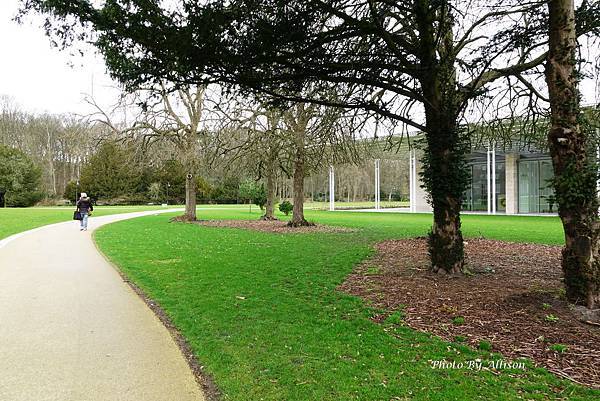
83	195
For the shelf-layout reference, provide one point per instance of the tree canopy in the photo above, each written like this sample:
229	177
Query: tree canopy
418	64
20	178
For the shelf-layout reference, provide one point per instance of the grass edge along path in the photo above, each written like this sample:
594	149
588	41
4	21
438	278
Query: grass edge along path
261	312
17	220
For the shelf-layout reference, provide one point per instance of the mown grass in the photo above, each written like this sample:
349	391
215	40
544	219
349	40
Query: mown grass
16	220
262	313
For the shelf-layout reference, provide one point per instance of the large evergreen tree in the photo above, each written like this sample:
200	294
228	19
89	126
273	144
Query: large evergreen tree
418	63
20	178
112	173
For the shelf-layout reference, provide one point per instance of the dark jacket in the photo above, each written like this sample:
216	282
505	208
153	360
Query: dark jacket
84	205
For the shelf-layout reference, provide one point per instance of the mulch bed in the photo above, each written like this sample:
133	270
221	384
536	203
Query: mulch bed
272	226
513	299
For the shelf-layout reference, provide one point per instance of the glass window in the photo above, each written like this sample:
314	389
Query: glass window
479	187
535	193
500	187
547	203
475	197
467	202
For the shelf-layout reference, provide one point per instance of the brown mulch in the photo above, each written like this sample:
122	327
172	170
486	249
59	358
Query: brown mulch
272	226
511	300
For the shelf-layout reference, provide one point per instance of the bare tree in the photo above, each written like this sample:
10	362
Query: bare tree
319	135
175	116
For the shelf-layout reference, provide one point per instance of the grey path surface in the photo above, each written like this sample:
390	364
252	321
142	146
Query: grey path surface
72	330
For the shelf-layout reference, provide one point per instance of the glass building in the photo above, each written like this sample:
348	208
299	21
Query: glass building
528	177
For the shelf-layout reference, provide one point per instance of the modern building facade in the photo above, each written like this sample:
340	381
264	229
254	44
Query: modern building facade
511	183
514	182
509	178
502	182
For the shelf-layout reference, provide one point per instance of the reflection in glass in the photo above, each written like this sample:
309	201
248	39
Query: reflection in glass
535	193
475	197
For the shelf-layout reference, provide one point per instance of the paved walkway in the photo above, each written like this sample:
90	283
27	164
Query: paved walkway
72	330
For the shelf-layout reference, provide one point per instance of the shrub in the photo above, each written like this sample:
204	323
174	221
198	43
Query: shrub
458	320
286	207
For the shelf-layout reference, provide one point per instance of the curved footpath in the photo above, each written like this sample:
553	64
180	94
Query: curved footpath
72	330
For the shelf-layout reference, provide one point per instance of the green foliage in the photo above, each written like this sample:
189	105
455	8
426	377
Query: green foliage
560	348
113	175
551	318
171	173
576	186
445	177
19	178
71	191
260	197
109	174
247	190
204	190
485	346
226	190
250	191
286	207
458	320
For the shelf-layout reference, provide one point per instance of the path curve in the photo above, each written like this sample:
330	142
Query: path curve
72	330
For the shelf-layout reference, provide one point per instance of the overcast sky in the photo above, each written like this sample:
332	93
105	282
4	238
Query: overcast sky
43	79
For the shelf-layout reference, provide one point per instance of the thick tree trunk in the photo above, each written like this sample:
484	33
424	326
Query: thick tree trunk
444	176
190	197
575	171
444	173
270	205
298	219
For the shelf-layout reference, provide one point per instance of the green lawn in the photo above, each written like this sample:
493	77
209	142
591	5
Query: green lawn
262	314
16	220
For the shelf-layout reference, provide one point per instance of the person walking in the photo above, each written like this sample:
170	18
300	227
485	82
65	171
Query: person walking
84	206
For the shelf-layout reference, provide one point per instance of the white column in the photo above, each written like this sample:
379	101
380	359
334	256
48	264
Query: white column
377	183
512	183
331	189
412	181
489	179
493	179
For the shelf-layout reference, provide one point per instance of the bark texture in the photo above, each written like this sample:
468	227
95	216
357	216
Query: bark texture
190	197
444	174
573	159
270	205
443	166
298	219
